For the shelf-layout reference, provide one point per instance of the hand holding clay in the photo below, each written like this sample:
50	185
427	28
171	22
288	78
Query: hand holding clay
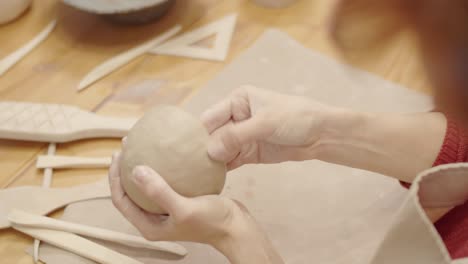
174	143
258	126
203	219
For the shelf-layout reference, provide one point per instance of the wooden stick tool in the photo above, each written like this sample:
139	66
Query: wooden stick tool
46	183
17	217
72	162
78	245
38	200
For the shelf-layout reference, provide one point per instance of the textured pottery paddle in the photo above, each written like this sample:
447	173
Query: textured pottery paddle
56	123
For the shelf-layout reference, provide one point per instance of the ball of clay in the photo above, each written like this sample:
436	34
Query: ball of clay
11	9
174	144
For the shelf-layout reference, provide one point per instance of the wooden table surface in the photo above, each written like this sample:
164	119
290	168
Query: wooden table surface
81	41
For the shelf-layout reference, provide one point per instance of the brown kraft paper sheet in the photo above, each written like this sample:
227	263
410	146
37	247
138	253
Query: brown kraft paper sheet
313	212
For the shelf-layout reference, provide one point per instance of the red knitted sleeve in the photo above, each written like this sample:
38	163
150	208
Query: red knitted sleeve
454	148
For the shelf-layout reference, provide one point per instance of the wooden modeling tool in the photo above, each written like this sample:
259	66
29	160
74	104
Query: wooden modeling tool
77	245
182	45
71	162
21	218
56	123
37	200
124	58
10	60
46	183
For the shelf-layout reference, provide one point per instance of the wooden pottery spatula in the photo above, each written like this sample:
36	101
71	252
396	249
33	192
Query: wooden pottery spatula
78	245
41	201
125	57
8	62
56	123
72	162
25	219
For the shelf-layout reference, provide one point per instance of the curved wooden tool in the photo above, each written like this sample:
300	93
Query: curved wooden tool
125	57
16	56
56	123
38	200
78	245
17	217
72	162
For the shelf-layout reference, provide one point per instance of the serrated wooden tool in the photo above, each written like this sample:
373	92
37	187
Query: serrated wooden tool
57	123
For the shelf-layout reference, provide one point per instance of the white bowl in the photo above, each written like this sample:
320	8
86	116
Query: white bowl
274	3
11	9
124	11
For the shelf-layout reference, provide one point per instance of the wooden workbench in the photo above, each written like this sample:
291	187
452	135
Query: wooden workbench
81	41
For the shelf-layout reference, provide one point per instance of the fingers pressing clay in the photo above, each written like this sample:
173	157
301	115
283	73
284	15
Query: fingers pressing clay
226	143
122	202
155	188
217	115
174	144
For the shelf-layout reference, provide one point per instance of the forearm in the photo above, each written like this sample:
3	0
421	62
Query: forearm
248	244
397	145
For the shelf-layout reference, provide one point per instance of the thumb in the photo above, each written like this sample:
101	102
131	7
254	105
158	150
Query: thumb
154	187
227	142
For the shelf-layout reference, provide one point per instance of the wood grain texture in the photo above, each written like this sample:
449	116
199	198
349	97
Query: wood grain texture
51	72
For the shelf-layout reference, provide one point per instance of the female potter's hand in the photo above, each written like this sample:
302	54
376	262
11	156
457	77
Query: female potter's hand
253	125
204	219
220	222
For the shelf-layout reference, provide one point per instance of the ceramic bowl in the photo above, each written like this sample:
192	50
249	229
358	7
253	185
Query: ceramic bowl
274	3
124	11
11	9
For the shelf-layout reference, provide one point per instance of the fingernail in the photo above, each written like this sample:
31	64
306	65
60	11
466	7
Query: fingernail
140	174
